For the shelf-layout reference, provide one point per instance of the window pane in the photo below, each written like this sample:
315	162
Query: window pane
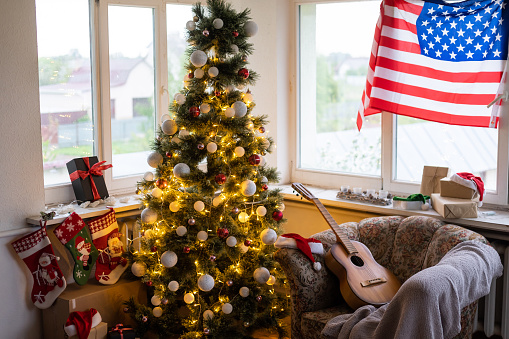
335	46
67	120
462	149
132	87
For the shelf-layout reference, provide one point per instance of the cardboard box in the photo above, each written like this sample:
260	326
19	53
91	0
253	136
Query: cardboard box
431	176
453	208
452	189
98	332
83	187
106	299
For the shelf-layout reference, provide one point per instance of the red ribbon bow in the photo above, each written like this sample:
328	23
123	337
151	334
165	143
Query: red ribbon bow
96	169
120	328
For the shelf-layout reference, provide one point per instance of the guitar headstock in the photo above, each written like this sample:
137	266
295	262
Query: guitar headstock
303	191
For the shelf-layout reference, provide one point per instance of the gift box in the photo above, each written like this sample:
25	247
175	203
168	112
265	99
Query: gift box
451	189
453	208
98	332
120	331
431	176
87	178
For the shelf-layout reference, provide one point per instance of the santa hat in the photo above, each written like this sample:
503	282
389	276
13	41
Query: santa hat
80	242
471	181
307	246
80	323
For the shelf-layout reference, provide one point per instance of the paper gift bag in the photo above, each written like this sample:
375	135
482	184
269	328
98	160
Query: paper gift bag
431	176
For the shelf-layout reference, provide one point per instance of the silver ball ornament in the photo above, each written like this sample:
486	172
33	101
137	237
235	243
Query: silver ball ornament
199	73
173	286
181	170
190	25
154	159
198	58
204	108
169	259
217	23
248	188
148	216
240	109
138	269
268	236
213	72
169	127
206	283
244	292
181	231
227	308
261	275
157	312
251	28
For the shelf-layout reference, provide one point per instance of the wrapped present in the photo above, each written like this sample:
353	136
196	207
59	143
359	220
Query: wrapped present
431	176
454	208
452	189
120	331
87	178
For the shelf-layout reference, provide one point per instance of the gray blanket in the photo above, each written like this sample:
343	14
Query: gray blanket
428	305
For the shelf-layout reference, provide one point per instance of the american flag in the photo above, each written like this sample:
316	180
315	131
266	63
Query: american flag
436	61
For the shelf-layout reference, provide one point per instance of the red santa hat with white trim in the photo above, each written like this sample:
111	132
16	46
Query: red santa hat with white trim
80	323
308	246
471	181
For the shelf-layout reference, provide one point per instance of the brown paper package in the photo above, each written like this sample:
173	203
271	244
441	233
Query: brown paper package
452	189
454	208
431	176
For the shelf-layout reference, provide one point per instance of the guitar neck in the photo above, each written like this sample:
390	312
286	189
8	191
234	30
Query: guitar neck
340	233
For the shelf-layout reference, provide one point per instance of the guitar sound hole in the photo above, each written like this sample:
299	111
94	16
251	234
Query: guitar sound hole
357	261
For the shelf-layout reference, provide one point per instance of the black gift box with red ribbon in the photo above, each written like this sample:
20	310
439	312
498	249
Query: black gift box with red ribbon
121	332
87	178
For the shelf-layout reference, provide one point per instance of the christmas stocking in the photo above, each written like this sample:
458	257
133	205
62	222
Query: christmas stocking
73	234
48	281
106	238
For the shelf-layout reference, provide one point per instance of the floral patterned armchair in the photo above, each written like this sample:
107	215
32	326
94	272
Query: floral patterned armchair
403	245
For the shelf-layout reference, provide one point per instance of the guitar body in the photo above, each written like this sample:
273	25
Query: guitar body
362	280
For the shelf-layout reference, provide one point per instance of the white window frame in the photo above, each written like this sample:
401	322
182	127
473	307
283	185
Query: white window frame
386	181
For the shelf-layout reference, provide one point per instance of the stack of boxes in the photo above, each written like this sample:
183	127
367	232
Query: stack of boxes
455	200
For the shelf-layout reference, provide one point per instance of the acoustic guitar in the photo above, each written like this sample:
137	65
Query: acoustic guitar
362	281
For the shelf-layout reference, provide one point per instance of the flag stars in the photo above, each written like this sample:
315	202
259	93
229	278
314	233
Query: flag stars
424	36
486	24
485	54
470	55
425	23
470	25
434	17
438	39
453	25
478	32
455	9
497	38
431	10
496	53
452	55
487	10
486	38
461	32
461	18
461	48
431	45
445	31
478	47
438	53
469	40
493	30
478	17
452	40
439	24
445	47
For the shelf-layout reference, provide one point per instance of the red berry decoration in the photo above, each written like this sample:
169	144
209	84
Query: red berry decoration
149	283
222	233
265	187
164	301
220	178
247	242
186	249
195	111
169	155
161	183
153	249
243	72
277	215
190	75
255	159
235	34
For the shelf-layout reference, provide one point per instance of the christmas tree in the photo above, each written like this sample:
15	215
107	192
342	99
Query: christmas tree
210	219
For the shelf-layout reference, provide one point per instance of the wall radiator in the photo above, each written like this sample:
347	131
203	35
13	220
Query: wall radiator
493	310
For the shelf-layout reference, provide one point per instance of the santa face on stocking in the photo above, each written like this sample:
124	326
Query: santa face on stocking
47	271
84	250
115	245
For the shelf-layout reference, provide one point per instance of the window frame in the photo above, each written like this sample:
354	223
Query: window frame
387	179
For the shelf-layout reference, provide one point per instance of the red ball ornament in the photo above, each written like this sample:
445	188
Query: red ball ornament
217	93
169	154
191	221
261	129
153	249
190	75
223	233
243	72
277	215
235	34
149	283
201	146
194	111
186	249
265	187
220	178
161	183
247	242
255	159
164	301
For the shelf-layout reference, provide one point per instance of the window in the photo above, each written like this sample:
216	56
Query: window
334	45
104	82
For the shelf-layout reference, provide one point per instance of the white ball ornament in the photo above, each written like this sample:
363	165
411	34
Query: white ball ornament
268	236
425	207
157	193
265	143
190	25
181	231
240	109
243	217
208	315
227	308
213	72
188	298
281	206
231	241
243	248
211	147
169	127
199	73
155	300
264	180
174	206
218	200
239	151
180	98
248	97
251	28
138	269
229	112
272	280
176	140
217	23
234	49
199	206
229	89
169	259
204	108
248	188
154	159
244	292
165	117
148	216
261	275
202	235
206	283
261	211
181	170
173	286
147	234
157	312
183	133
148	176
198	58
263	161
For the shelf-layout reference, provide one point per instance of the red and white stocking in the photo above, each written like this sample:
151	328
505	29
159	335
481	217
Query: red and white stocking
110	265
48	281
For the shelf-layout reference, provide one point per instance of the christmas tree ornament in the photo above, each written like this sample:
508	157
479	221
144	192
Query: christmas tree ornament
155	300
265	187
230	89
164	301
165	117
189	298
199	206
263	162
229	112
149	283
186	249
271	281
259	298
181	170
194	111
212	258
148	176
219	199
235	34
181	231
217	93
261	211
220	179
190	25
244	292
153	249
199	73
235	210
144	319
240	109
169	127
243	217
148	215
244	73
229	282
138	269
198	58
205	108
206	283
126	309
173	286
208	315
161	183
261	130
206	32
239	151
138	191
277	215
206	331
147	234
181	98
217	23
268	236
190	75
227	308
202	236
231	241
154	159
169	259
255	159
176	140
191	221
157	192
261	275
244	58
200	146
105	235
265	143
250	28
213	72
174	206
234	49
36	251
73	234
244	248
195	18
264	180
247	324
211	147
157	312
222	233
247	242
248	98
247	188
183	133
